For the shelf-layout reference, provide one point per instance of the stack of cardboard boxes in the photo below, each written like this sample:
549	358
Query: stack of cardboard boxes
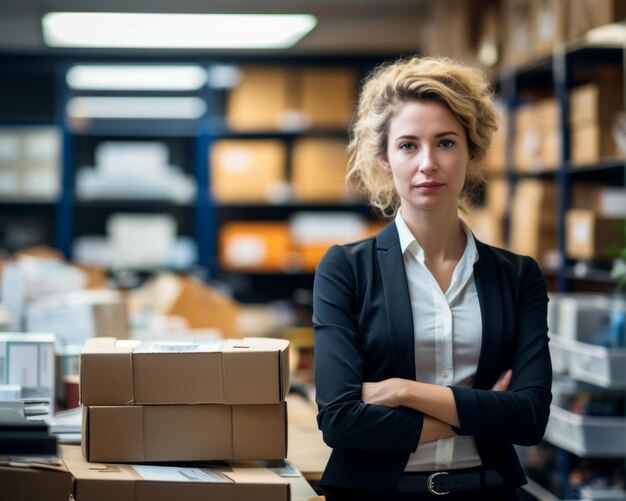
147	402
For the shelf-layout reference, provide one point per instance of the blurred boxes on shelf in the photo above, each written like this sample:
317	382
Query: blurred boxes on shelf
312	233
593	108
495	161
27	360
327	96
534	218
288	99
122	482
184	432
537	139
319	170
601	200
134	170
584	15
256	245
77	316
248	170
589	236
30	160
200	305
497	196
486	225
531	29
264	98
245	371
140	241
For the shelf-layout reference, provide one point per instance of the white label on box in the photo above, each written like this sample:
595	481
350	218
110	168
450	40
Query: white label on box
179	347
180	474
580	232
23	364
246	250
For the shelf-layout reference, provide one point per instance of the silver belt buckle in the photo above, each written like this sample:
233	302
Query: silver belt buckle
430	483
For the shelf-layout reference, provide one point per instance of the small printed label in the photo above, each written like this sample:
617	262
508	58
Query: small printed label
180	474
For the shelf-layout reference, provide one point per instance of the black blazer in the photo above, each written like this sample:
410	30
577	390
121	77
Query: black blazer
364	332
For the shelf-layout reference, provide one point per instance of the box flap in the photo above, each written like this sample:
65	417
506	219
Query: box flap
106	374
253	371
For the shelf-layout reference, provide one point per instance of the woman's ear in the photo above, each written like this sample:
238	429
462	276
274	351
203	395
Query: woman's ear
384	162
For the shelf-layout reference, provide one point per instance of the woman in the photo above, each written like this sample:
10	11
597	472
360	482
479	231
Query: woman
431	348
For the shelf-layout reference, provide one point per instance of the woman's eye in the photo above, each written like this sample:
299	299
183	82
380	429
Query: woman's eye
407	146
446	143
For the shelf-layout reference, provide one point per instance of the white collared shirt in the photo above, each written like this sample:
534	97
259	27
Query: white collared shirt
448	333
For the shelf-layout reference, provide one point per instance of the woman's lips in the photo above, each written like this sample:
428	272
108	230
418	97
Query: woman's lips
429	187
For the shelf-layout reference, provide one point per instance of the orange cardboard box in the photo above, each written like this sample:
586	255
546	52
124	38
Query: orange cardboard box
248	170
327	96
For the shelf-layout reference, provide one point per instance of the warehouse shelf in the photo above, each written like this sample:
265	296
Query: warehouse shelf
331	133
123	203
586	436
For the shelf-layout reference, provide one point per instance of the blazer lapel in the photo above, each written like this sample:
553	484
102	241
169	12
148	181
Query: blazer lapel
489	296
397	301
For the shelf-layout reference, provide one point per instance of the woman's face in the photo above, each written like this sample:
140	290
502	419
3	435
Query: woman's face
427	155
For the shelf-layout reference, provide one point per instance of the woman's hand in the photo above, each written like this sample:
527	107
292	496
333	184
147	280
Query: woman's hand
385	392
503	382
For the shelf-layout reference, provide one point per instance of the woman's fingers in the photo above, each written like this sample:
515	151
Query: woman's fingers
503	382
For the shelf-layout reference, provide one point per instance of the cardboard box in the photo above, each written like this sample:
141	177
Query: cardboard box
34	483
590	144
319	170
595	103
495	161
592	237
537	137
497	196
327	96
263	100
121	482
601	200
584	15
199	304
487	226
246	371
77	316
248	170
534	219
152	433
260	246
27	359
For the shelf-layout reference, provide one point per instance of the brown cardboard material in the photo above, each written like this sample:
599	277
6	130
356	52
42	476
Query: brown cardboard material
537	140
590	144
122	482
246	371
319	170
201	305
591	237
184	432
584	15
248	170
595	103
263	99
327	96
45	482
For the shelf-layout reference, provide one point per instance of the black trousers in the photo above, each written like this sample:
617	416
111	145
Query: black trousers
499	493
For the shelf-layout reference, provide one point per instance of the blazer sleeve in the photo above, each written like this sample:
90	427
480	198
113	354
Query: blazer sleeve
519	415
346	422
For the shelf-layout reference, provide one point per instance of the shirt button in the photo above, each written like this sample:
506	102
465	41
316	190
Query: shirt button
444	374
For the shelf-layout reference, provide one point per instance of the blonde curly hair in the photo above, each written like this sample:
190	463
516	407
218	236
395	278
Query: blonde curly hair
465	91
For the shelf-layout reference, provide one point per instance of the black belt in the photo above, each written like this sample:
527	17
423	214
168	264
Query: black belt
441	483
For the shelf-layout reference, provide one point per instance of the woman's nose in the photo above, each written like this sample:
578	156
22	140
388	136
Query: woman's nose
427	161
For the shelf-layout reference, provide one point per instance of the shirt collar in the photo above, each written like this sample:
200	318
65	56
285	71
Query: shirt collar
408	240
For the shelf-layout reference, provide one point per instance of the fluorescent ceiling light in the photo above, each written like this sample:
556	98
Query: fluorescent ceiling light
127	77
175	31
136	107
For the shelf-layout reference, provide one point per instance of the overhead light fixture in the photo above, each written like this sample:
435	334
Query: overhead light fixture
182	108
140	77
175	31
